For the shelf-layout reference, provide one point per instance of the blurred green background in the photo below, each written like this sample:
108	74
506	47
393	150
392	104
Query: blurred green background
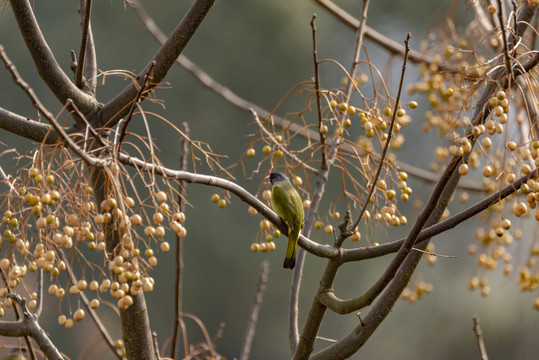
260	49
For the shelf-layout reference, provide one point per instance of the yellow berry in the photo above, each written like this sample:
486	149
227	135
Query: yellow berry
78	315
356	236
179	217
328	229
488	171
215	198
165	246
161	196
222	203
251	152
94	304
463	169
511	146
266	195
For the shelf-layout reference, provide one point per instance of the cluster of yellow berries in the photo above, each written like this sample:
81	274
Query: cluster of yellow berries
414	294
372	121
267	149
50	213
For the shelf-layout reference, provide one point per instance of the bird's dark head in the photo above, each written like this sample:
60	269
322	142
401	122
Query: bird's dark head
276	177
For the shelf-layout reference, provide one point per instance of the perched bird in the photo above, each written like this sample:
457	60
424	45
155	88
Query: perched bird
287	203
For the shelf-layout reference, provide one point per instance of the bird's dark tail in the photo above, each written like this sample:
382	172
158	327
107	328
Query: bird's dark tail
290	258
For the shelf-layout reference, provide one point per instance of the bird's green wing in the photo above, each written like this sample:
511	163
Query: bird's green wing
287	203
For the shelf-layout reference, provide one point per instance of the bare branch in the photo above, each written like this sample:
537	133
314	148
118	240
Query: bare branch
317	90
253	319
29	326
479	335
47	66
79	81
125	122
178	281
25	127
164	59
504	38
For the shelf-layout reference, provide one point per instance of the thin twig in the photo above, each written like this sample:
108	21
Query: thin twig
389	134
178	283
480	17
79	81
125	122
434	254
281	147
39	106
317	91
155	345
80	116
505	45
479	335
253	319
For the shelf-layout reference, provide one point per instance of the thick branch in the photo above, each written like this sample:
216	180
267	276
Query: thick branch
164	59
29	326
47	66
25	127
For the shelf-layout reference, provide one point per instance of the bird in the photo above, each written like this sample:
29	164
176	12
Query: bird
287	203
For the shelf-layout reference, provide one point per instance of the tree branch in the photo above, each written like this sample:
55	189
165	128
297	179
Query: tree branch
253	319
29	326
85	45
178	260
164	59
25	127
45	62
